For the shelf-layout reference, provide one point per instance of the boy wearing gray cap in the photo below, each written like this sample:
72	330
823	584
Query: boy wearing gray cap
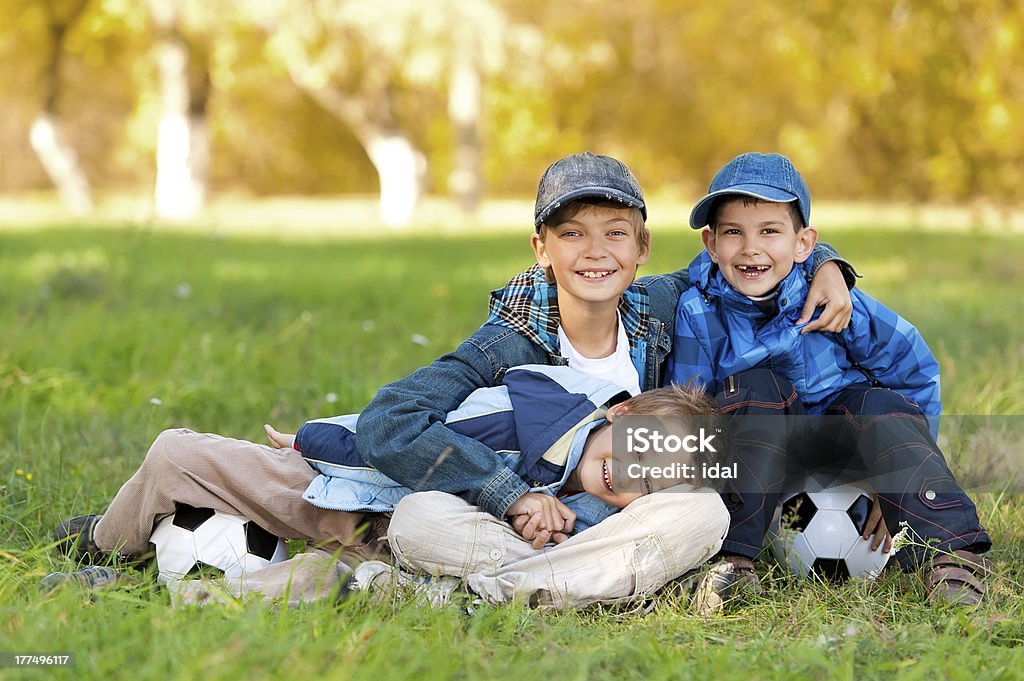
579	305
737	331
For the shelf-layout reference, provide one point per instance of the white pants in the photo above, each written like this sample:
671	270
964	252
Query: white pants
628	556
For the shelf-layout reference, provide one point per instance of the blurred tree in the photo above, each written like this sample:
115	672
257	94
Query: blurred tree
183	146
362	60
48	140
332	54
465	108
910	100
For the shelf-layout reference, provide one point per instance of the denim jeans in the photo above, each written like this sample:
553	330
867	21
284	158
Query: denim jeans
878	427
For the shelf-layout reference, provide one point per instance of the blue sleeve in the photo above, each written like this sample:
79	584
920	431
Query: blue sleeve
330	440
402	433
689	359
824	253
895	354
663	292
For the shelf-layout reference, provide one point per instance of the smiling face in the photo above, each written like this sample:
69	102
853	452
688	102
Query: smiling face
755	244
594	471
593	255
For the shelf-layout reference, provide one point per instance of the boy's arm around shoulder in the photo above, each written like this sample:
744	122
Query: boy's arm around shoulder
823	253
663	292
402	433
894	353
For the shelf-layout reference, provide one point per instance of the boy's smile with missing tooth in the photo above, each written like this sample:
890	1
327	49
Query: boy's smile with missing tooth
755	244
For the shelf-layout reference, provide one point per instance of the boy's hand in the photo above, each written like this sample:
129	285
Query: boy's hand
828	288
876	526
279	440
540	518
527	526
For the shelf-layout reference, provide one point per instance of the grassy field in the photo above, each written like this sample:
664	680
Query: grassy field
111	335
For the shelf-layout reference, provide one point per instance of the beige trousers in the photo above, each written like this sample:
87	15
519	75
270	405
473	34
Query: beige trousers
628	556
262	483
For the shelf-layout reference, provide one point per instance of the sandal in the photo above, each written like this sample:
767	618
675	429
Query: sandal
731	578
955	578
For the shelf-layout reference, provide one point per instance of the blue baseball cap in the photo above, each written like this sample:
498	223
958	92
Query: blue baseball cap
586	176
769	177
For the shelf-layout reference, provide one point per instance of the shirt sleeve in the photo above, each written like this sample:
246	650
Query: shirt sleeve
690	360
823	253
402	433
893	352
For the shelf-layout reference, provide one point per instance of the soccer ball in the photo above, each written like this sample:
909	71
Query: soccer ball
820	533
192	539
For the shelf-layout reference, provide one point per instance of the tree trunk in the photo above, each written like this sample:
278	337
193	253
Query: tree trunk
182	155
57	156
61	163
464	111
401	167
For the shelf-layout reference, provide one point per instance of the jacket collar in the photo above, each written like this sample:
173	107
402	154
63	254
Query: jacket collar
709	280
529	305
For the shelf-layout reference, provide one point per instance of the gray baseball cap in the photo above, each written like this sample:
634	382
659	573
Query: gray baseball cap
586	176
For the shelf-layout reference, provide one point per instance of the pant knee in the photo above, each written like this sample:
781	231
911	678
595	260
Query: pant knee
171	448
691	524
870	401
416	514
415	534
757	390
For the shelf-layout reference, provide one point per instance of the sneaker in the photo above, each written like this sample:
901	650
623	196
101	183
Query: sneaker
384	580
724	582
91	577
956	578
75	540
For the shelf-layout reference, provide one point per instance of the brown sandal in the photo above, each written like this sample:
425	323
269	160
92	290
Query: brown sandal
956	578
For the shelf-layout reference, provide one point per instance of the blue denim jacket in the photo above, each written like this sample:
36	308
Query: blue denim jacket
402	431
538	422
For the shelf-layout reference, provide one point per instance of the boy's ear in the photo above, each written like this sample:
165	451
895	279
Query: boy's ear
615	411
539	250
708	235
645	252
805	240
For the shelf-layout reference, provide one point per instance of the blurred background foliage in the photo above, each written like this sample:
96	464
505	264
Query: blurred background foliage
905	100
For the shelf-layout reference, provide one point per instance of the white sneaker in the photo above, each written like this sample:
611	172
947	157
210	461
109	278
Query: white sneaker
386	581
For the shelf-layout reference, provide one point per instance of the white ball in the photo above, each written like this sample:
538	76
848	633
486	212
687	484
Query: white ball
819	532
192	538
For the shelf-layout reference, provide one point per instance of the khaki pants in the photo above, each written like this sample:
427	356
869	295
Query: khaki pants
628	556
258	482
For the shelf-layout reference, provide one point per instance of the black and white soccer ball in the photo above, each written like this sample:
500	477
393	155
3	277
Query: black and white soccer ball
191	540
819	532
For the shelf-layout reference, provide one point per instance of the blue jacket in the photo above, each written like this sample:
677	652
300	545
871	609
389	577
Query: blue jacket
402	431
720	332
537	421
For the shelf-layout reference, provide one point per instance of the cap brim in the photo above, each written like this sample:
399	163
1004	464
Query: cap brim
589	193
699	214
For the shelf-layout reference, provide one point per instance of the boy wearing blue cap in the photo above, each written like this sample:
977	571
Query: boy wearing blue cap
735	331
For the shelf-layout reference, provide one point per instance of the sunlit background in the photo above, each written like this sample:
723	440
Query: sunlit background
437	109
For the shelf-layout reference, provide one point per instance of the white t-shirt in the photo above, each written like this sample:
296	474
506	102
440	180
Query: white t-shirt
617	367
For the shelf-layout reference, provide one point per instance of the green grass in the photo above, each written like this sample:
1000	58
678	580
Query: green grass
110	336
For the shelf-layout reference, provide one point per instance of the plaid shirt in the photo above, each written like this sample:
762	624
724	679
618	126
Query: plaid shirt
529	305
720	332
